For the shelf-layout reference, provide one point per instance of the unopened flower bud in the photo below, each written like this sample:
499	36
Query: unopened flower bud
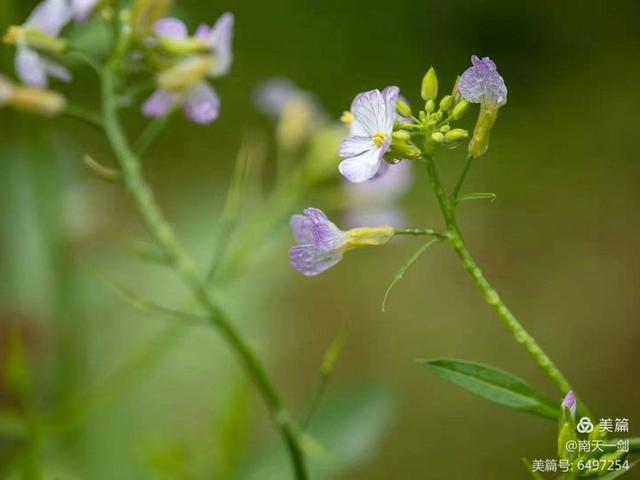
347	118
403	109
185	73
437	137
456	135
36	100
429	90
445	129
446	103
401	135
437	116
429	106
145	13
459	110
35	39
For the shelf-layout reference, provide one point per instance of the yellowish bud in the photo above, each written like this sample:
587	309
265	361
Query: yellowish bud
429	90
403	109
459	110
437	137
401	135
186	73
347	118
456	135
36	100
429	106
446	103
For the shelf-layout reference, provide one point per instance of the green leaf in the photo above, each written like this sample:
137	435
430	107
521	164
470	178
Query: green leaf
495	385
400	273
346	432
477	196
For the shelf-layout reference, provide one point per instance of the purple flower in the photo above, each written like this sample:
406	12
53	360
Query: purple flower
481	83
374	113
200	103
570	403
320	242
48	18
199	100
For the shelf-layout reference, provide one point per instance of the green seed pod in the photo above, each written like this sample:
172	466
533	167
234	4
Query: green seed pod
429	90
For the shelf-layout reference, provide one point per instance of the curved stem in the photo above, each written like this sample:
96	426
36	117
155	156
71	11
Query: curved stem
491	296
463	175
163	235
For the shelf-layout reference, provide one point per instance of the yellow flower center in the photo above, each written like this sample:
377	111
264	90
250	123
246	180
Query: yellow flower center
347	118
379	138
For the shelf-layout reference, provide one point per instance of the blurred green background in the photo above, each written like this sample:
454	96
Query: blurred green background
559	242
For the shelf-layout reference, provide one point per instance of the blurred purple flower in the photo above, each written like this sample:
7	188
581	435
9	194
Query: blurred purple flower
199	100
373	202
319	242
374	113
481	83
33	68
570	402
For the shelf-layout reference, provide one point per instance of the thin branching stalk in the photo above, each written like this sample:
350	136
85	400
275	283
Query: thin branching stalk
455	239
163	235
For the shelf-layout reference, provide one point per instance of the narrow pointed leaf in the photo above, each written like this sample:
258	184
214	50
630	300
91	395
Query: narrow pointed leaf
495	385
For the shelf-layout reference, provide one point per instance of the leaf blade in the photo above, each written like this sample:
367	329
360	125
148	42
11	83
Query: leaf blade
495	385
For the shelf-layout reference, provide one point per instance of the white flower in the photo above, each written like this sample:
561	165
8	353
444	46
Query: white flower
374	113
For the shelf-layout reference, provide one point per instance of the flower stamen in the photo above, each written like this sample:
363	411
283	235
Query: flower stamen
379	138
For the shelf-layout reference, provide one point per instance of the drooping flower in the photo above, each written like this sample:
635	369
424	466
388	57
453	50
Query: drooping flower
570	402
185	82
321	244
43	26
374	202
374	113
297	111
481	83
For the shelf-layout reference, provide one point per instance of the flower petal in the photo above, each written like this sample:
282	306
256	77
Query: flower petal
50	17
172	28
301	231
362	167
81	9
390	95
159	104
30	67
219	41
481	83
311	261
354	146
368	110
203	104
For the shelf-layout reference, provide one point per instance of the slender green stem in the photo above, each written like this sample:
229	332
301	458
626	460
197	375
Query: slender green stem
420	232
491	296
151	134
83	115
163	235
463	175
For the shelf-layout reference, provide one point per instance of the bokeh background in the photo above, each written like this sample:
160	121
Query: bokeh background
152	399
